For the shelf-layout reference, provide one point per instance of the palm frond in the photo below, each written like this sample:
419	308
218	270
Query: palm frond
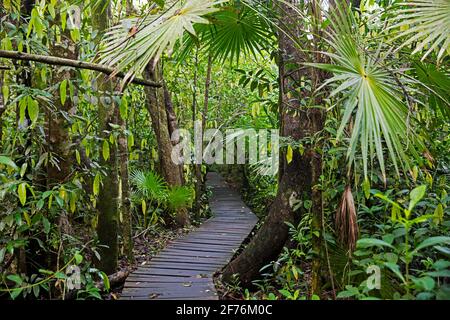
427	24
234	32
149	185
179	197
346	221
133	43
373	96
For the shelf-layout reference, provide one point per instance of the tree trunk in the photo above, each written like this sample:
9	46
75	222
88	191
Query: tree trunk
295	177
2	107
172	123
198	179
157	109
107	226
25	265
125	196
200	182
57	130
206	98
318	121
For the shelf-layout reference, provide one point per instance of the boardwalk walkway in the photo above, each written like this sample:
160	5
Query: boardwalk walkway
185	268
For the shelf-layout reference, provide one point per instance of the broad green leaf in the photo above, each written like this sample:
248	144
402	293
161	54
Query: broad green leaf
123	108
371	242
5	91
438	215
425	283
432	241
440	273
33	109
27	218
72	202
22	108
63	91
22	192
7	161
96	185
23	169
14	293
77	156
105	280
366	187
46	225
144	207
395	268
78	258
16	278
51	10
105	150
415	196
289	154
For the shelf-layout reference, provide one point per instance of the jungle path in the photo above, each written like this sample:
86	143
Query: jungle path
185	268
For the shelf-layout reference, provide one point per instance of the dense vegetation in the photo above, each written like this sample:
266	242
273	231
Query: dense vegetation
93	92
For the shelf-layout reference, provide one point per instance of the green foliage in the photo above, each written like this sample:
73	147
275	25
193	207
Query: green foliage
369	85
152	36
407	254
149	186
427	25
179	197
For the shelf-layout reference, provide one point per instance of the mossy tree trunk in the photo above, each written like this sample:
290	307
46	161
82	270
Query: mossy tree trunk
107	203
57	131
2	106
125	195
157	104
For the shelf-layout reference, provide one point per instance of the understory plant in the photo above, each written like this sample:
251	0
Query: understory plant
155	197
407	257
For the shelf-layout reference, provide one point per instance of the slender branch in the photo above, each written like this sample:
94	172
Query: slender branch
15	55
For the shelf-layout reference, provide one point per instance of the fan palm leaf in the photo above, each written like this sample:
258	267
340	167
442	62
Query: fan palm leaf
236	31
233	31
372	96
427	24
133	43
149	185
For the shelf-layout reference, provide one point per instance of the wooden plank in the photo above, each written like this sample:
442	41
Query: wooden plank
211	241
134	280
170	272
191	253
198	256
201	248
188	260
166	292
181	266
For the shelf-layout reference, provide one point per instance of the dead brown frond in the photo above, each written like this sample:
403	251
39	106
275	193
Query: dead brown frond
346	220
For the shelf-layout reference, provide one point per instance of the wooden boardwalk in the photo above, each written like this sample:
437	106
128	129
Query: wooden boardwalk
185	268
